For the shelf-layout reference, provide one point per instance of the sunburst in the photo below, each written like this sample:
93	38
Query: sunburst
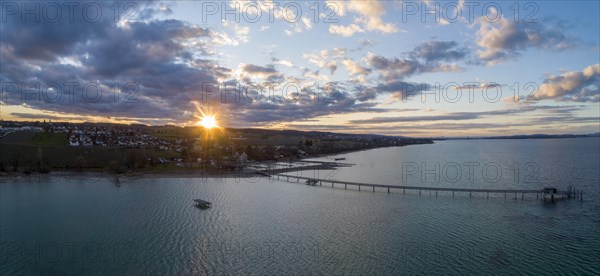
208	122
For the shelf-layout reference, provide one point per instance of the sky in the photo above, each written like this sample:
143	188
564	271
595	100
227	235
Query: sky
407	68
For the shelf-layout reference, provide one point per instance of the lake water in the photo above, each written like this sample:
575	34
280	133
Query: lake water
148	226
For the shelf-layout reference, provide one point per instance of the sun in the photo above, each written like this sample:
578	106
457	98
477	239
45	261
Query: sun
208	122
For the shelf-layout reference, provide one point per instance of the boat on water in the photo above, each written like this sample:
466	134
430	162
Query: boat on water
340	159
311	182
202	204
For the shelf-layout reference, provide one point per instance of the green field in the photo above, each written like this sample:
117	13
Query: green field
35	138
29	157
46	138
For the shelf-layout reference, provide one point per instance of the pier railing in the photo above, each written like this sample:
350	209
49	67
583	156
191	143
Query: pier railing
570	193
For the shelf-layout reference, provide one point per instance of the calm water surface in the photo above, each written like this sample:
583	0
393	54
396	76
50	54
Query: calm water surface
148	226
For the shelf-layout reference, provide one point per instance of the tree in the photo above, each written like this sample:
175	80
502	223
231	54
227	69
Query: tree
79	163
15	160
115	167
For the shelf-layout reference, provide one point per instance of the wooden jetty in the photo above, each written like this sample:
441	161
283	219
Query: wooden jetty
202	204
313	165
318	166
329	163
541	193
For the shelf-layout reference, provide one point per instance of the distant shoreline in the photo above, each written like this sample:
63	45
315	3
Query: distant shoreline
523	137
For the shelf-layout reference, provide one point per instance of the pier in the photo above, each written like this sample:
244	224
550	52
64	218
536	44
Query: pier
312	165
513	193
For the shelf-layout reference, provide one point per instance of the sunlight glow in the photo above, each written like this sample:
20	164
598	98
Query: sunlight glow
208	122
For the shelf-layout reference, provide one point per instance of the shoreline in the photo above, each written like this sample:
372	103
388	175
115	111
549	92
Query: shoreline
191	173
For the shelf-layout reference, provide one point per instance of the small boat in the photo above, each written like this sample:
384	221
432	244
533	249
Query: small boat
311	182
552	194
202	204
340	159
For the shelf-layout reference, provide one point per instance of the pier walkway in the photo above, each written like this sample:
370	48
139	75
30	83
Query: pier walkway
570	193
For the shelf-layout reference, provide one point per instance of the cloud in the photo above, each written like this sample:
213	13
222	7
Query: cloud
284	62
164	60
307	23
268	73
397	89
370	13
241	33
326	59
577	86
424	58
337	5
383	120
506	39
345	31
393	68
354	68
460	116
290	106
432	51
259	70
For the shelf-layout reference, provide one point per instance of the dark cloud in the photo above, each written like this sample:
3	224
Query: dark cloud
33	116
432	51
296	107
151	55
426	57
394	67
459	116
168	62
452	117
263	73
255	69
141	47
398	90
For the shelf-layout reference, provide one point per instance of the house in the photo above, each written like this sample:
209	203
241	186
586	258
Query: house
243	158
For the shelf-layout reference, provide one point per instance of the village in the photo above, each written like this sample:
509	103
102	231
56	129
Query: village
98	146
